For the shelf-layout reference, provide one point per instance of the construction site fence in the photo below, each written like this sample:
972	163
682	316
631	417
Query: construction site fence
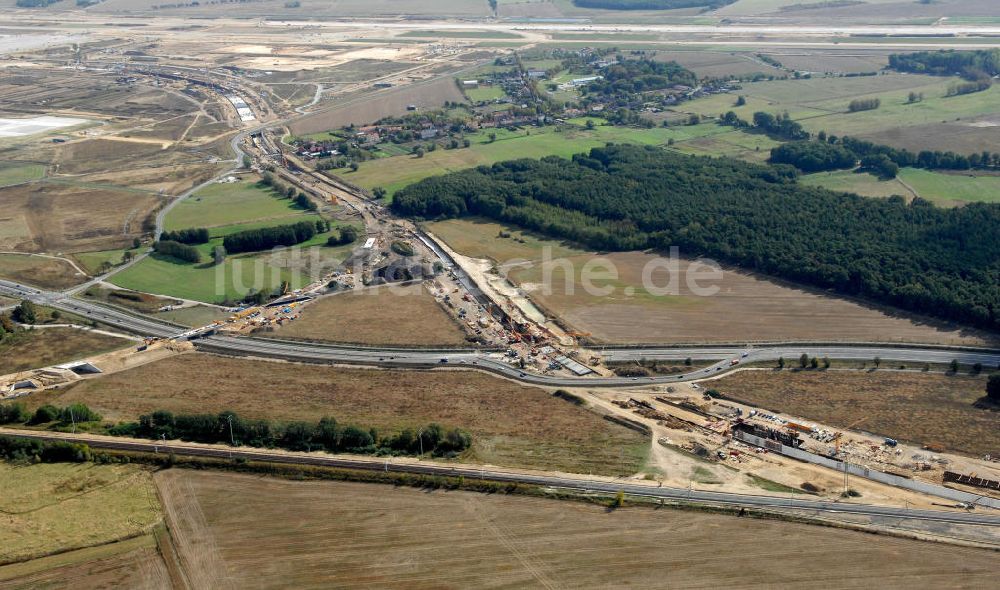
866	473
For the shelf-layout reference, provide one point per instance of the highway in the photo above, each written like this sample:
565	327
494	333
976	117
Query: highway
580	485
471	358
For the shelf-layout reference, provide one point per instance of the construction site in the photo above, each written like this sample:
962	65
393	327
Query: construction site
127	136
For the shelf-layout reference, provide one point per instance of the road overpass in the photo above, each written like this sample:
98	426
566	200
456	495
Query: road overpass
478	359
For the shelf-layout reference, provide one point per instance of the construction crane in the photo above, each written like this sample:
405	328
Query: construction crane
839	435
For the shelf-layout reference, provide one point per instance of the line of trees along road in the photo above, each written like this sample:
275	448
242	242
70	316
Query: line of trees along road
940	262
327	434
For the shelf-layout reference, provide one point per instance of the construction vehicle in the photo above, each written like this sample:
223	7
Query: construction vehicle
799	427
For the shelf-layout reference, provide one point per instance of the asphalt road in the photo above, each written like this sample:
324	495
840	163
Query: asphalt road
422	358
582	485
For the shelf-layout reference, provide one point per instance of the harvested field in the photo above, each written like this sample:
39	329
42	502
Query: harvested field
959	123
42	272
392	316
511	424
942	188
54	217
376	105
133	564
349	535
918	407
745	308
48	508
717	63
825	60
43	347
398	171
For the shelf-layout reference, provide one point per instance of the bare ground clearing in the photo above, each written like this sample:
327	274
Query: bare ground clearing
381	104
923	408
511	424
48	346
354	535
47	273
54	217
397	316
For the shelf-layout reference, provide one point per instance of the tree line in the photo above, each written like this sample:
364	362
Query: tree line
325	435
864	104
36	451
17	413
782	127
940	262
182	252
194	235
254	240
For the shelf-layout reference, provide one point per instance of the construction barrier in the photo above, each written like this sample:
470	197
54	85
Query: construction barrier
862	471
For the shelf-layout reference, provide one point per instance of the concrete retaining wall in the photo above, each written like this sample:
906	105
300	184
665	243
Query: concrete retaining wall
862	471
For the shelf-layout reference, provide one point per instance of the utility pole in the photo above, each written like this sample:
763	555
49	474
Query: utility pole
847	478
420	435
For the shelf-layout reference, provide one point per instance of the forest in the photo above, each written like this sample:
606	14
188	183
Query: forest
940	262
971	65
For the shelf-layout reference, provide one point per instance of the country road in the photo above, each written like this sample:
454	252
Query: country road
576	484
